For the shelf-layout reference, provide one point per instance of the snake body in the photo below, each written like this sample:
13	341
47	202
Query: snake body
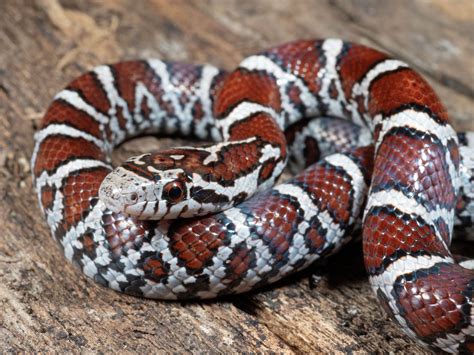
411	176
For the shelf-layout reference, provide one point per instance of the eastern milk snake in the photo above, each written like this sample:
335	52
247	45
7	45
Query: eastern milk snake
408	180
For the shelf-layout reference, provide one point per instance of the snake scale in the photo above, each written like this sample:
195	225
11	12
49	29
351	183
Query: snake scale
145	227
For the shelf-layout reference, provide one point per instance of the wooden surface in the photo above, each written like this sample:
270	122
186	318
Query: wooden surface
46	304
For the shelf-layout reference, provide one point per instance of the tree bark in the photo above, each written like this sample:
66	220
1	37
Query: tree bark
48	305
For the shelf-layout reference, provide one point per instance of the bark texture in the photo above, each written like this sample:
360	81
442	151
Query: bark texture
47	305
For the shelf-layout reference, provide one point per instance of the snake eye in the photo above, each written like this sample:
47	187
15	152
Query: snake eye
134	197
173	192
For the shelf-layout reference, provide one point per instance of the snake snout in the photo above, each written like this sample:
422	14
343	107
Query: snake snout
111	195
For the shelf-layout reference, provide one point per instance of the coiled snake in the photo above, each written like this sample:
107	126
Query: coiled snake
410	178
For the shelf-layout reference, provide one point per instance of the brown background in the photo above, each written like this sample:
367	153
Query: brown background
45	304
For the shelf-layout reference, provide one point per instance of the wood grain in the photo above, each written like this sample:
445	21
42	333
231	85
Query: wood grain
47	305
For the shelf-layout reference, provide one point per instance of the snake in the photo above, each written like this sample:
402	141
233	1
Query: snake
206	221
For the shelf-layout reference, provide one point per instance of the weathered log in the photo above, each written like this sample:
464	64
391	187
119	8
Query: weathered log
47	305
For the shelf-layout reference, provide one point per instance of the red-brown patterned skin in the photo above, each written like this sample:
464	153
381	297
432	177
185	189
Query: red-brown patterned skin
407	225
243	86
415	164
61	112
353	69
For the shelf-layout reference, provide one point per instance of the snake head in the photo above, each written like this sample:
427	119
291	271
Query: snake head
149	186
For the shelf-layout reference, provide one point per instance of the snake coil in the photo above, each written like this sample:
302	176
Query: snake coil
410	177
